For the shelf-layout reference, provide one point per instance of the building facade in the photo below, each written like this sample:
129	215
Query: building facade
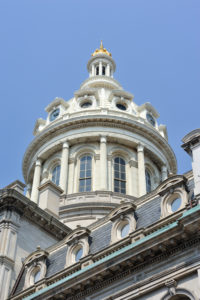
105	216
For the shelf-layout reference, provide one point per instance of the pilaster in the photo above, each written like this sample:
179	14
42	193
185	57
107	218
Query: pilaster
64	167
103	162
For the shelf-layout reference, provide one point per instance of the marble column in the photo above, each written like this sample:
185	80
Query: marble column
64	167
36	181
141	170
28	190
103	162
100	68
93	70
164	172
108	70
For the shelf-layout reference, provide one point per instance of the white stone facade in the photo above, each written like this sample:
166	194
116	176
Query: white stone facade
105	215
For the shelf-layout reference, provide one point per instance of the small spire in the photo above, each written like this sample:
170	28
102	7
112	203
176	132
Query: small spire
101	45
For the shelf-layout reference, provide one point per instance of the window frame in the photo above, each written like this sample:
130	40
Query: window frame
85	178
52	170
147	172
120	180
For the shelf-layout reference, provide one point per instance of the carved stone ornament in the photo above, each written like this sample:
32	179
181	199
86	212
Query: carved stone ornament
171	285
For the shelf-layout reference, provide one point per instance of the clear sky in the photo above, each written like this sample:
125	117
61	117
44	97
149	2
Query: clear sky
45	46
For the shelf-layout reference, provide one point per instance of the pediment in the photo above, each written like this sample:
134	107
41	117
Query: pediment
122	209
37	255
171	183
78	233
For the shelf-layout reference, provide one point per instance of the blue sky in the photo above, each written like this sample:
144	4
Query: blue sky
45	46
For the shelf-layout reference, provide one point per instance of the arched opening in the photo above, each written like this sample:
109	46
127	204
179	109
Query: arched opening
148	181
119	175
56	175
85	178
179	297
103	70
97	70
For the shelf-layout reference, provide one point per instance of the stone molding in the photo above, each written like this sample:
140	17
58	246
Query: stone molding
108	121
13	200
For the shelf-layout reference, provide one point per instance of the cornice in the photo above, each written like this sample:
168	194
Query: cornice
10	199
96	120
128	260
104	81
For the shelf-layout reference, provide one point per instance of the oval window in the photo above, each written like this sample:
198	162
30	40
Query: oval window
54	114
175	205
78	254
125	230
121	106
86	104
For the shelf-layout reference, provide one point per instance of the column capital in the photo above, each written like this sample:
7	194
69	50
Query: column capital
65	144
140	148
103	139
38	162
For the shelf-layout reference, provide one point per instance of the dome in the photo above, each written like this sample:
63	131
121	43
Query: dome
96	150
101	50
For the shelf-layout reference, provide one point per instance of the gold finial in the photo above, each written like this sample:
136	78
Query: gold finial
101	50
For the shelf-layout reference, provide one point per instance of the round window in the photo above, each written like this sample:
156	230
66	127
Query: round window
121	106
86	104
54	114
78	254
150	119
125	230
175	205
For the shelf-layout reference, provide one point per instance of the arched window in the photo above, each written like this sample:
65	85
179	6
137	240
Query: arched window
85	179
119	175
148	181
103	70
97	70
56	175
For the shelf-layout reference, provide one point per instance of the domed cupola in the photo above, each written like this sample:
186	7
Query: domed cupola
95	150
101	68
101	63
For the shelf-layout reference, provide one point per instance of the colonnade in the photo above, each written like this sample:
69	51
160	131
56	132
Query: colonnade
108	71
105	169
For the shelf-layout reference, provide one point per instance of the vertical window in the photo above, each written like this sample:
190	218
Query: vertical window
56	175
97	70
148	181
85	178
119	175
103	70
